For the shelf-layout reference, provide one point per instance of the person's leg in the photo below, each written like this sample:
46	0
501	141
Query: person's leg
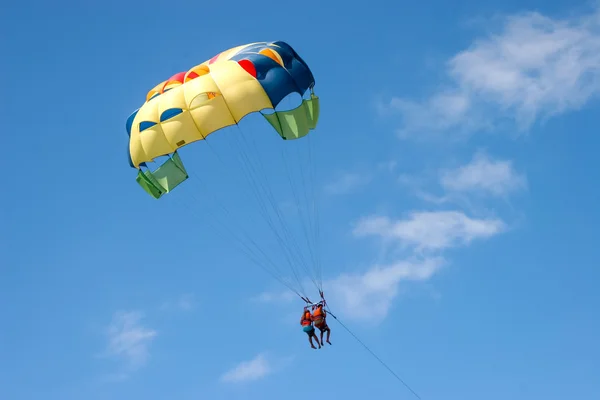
314	333
310	331
328	333
311	341
320	327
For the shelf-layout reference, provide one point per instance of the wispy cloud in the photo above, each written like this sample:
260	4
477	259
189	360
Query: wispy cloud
369	296
423	236
257	368
430	230
347	182
129	340
484	174
442	111
533	67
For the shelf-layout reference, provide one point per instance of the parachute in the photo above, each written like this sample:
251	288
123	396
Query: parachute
193	105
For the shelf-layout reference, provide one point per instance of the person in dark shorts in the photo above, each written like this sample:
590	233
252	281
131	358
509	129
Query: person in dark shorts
320	321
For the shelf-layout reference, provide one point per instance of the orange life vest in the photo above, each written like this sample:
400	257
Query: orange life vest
319	316
306	320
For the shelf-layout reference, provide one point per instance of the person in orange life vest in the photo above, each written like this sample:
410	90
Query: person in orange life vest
319	319
307	326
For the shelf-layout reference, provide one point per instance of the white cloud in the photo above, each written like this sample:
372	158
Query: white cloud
430	230
533	67
497	177
128	339
424	234
440	112
370	295
418	240
252	370
347	182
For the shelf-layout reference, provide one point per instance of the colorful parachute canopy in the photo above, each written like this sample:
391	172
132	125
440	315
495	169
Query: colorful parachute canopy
218	93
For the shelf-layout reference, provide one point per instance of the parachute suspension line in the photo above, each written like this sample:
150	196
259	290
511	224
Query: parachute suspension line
251	182
193	212
298	282
253	177
288	240
297	198
316	266
248	237
308	225
302	192
272	201
373	354
302	205
315	208
269	194
243	247
310	205
299	207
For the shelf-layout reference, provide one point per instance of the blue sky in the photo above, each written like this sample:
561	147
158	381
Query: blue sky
456	183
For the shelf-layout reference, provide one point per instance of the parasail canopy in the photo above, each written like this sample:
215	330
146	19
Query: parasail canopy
215	94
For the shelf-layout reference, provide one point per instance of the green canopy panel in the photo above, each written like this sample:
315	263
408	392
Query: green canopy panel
166	177
296	123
